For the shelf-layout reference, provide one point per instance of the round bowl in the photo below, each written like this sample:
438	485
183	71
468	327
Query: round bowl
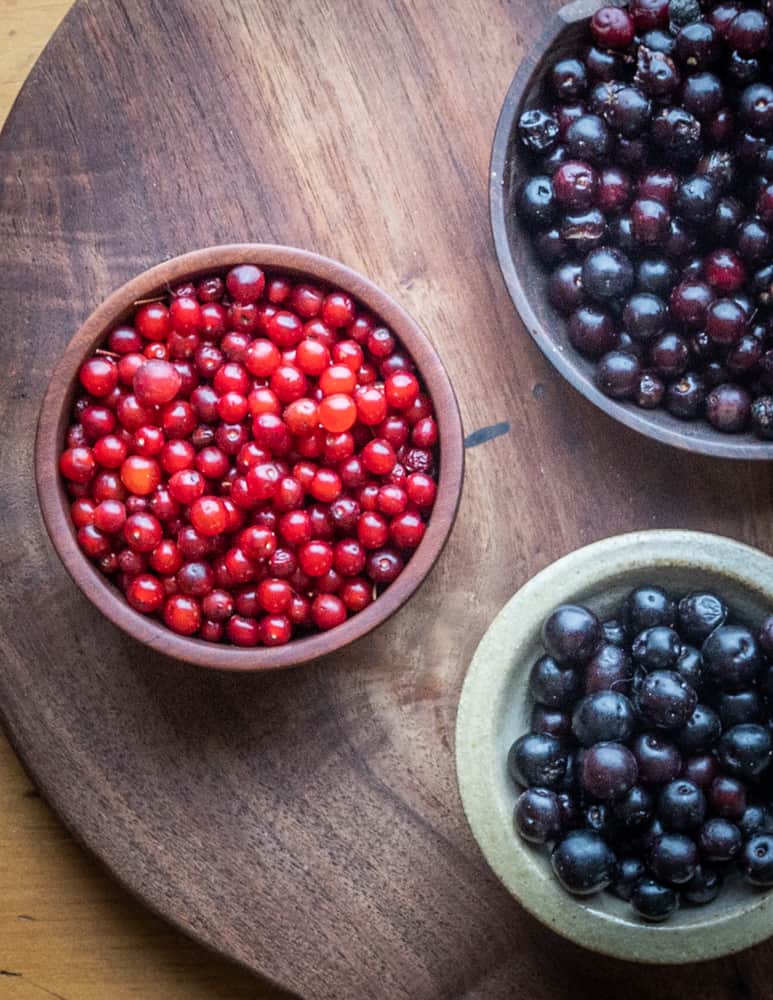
54	418
494	711
523	274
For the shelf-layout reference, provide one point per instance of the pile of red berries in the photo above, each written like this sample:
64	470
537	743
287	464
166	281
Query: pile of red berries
251	458
650	201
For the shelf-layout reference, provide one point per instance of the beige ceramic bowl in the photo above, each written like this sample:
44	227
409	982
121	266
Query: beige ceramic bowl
494	710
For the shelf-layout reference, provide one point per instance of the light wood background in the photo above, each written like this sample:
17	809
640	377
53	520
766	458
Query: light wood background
66	929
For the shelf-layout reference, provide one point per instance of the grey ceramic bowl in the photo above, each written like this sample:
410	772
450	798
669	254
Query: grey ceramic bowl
494	710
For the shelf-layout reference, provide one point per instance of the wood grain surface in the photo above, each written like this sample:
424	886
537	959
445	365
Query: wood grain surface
308	824
51	893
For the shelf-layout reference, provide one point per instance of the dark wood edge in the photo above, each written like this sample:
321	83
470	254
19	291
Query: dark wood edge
660	425
54	417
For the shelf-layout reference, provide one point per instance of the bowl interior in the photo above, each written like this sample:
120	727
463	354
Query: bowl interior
495	708
117	308
526	279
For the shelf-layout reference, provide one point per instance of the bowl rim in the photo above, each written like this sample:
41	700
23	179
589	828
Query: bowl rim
54	414
483	694
705	440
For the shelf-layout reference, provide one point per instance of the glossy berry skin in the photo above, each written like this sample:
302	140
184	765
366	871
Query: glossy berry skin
681	806
673	858
731	657
537	816
537	760
756	861
699	614
609	668
608	770
583	863
654	901
648	607
658	759
604	716
665	700
571	633
656	648
703	887
612	28
552	684
745	750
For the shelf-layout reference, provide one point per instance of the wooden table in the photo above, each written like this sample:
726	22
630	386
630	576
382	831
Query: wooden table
343	863
66	929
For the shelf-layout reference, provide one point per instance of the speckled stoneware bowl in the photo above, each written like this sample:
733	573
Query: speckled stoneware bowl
494	710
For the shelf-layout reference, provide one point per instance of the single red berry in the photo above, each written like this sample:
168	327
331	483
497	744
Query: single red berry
145	593
326	485
99	376
338	447
349	353
186	486
178	419
421	489
275	596
381	343
93	542
109	516
284	328
142	531
185	316
217	605
407	530
315	558
97	421
140	475
356	593
295	527
245	283
156	383
214	320
195	578
349	557
262	358
124	340
288	383
77	464
391	500
372	529
612	28
182	614
425	432
274	630
307	300
338	310
208	516
302	416
166	558
152	321
327	611
131	563
378	457
384	566
724	271
176	456
258	542
371	405
82	511
299	611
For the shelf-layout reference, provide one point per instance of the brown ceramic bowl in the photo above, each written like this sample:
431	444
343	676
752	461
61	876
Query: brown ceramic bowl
54	418
523	274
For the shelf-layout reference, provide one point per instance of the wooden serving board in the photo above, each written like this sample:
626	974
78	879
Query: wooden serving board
307	824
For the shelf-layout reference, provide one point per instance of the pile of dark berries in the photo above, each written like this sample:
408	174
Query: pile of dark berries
650	201
647	768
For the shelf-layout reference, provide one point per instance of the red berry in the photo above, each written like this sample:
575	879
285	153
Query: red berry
182	614
378	457
612	28
145	593
407	530
327	611
356	593
99	376
142	531
93	542
166	558
338	310
109	516
274	630
140	475
156	383
77	464
124	340
152	321
258	542
245	283
372	529
315	558
384	566
208	516
82	512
